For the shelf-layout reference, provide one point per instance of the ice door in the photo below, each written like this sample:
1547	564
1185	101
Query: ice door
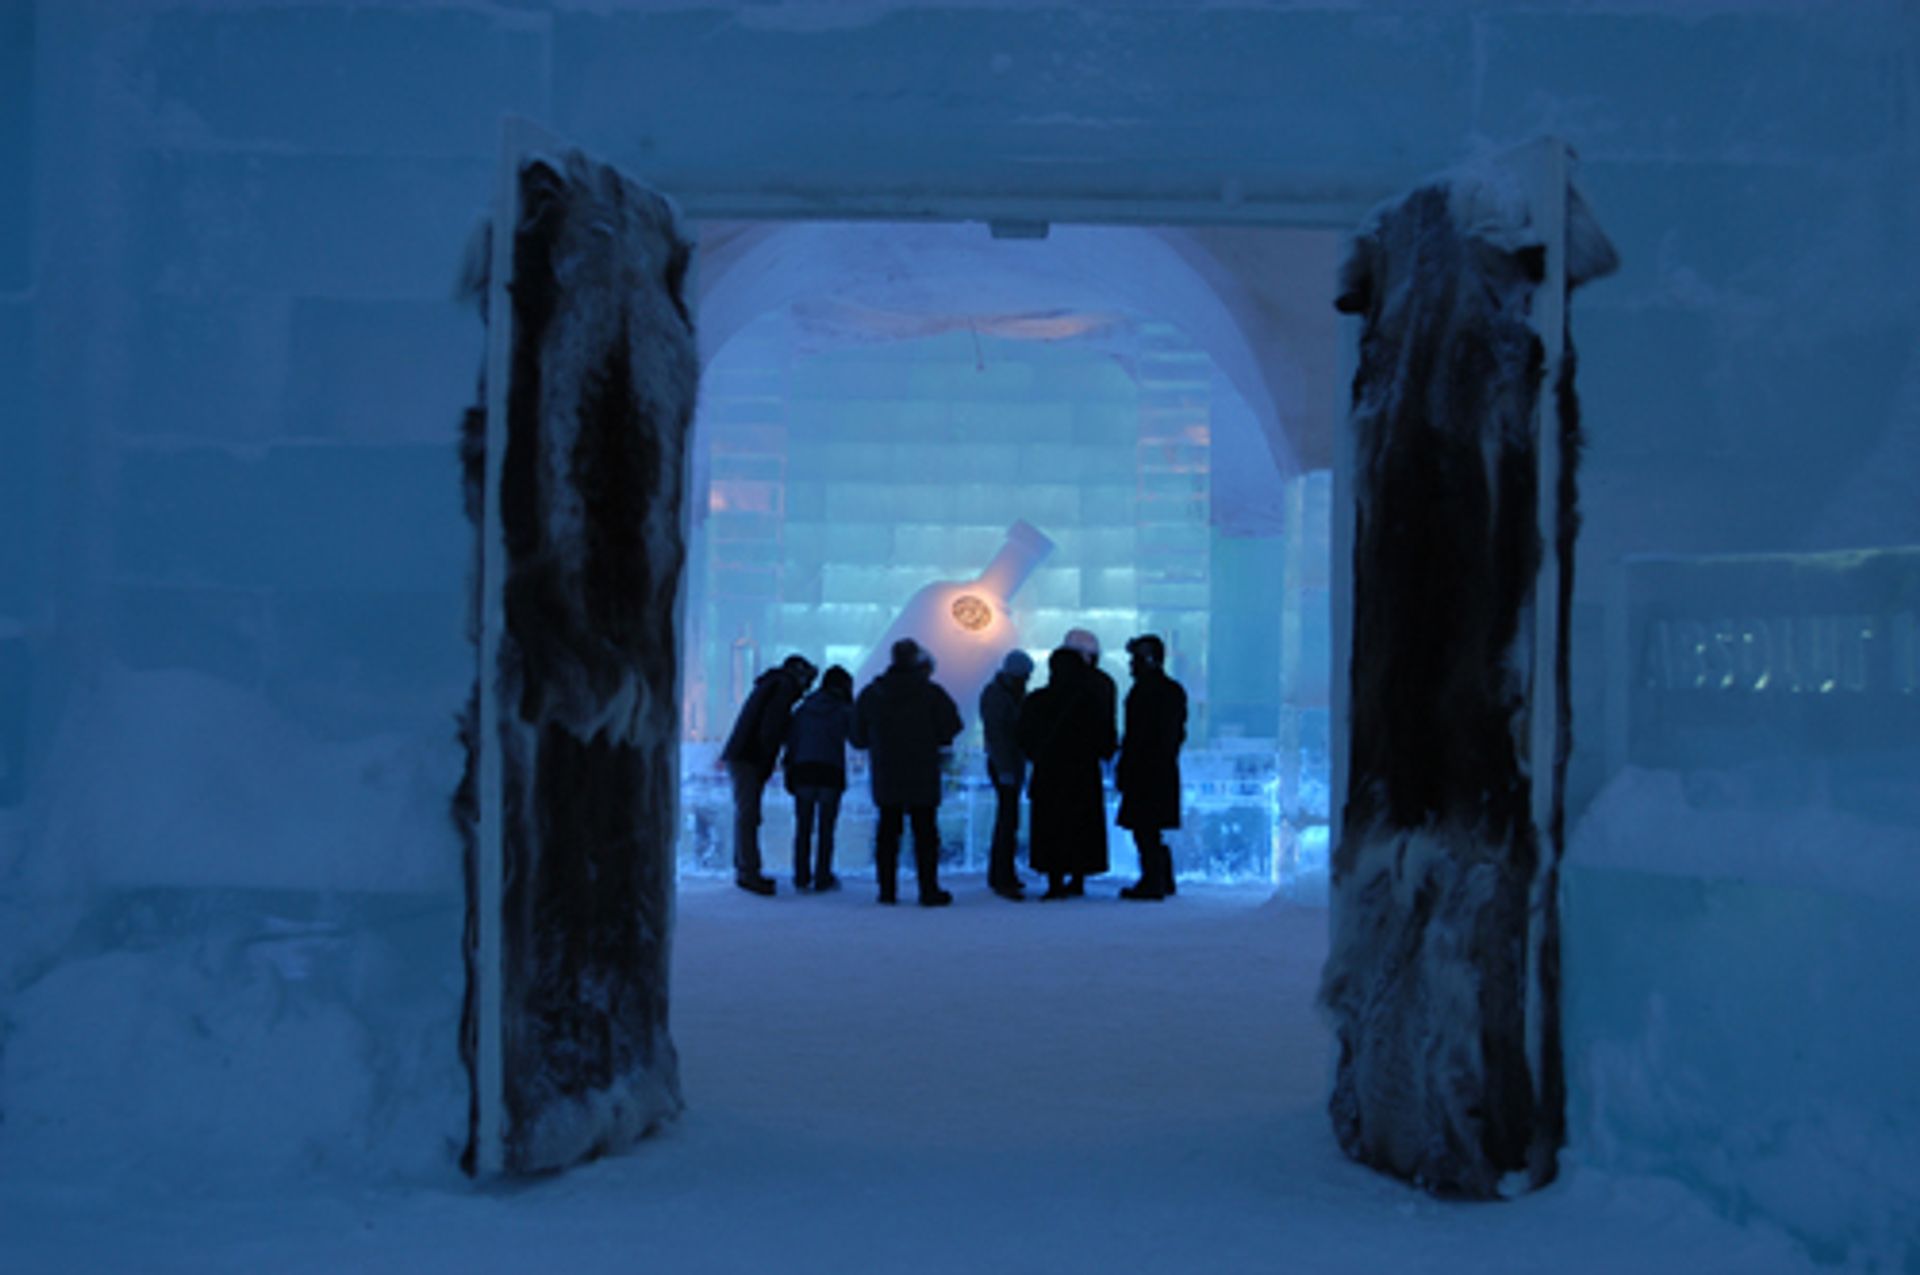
577	483
1455	508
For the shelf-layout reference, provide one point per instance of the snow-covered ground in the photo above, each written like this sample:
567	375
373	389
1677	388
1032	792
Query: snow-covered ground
1092	1086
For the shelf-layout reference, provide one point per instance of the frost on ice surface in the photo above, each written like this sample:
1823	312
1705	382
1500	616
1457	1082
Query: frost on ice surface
1737	1004
217	1044
178	778
240	959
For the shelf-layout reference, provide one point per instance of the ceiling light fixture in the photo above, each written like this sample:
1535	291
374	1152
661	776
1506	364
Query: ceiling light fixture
1018	229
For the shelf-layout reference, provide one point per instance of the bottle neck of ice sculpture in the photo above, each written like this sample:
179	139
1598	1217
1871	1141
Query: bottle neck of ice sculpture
1024	550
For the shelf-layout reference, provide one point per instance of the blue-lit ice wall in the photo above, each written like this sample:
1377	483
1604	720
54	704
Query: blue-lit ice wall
20	517
1739	898
838	483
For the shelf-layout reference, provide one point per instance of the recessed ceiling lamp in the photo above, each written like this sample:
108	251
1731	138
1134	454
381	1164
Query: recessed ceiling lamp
1019	229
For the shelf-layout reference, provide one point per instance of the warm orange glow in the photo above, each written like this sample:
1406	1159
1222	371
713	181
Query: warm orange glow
971	612
739	496
1042	327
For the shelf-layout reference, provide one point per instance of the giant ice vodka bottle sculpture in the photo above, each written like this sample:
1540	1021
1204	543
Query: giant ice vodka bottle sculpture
966	625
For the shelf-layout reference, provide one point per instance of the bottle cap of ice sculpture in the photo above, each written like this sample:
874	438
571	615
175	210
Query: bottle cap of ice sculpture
1026	548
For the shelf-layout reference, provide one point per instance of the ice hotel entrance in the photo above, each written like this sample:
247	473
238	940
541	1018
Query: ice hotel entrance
1107	384
584	464
881	401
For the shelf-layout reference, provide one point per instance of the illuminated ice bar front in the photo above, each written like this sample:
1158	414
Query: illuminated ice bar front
838	485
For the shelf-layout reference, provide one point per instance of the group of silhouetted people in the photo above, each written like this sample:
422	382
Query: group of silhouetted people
1053	742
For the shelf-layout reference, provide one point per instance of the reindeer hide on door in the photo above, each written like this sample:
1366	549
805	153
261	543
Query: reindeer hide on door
1448	1071
593	502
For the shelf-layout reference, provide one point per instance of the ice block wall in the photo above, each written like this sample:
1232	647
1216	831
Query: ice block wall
241	606
1740	897
19	439
855	477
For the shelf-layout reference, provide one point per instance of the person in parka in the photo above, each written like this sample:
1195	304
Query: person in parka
1067	731
1148	773
816	772
752	749
905	720
1000	701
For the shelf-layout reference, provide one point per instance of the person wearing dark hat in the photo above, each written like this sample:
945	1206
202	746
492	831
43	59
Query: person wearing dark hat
1148	773
905	720
1000	701
1066	731
816	771
751	750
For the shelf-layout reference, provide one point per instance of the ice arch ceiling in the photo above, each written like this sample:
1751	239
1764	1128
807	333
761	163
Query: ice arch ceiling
1257	301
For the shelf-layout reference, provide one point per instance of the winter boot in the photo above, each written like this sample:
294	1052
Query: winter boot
926	864
803	853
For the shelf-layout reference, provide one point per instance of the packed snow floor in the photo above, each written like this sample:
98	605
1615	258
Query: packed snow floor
1084	1086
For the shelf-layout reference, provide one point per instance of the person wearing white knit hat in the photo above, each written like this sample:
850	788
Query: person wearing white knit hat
1084	641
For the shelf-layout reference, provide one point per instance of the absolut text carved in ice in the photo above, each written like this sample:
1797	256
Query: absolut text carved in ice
1832	654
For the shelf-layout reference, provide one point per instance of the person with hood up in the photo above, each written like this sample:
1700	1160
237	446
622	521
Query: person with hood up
1000	701
1148	773
751	750
905	720
1067	731
816	771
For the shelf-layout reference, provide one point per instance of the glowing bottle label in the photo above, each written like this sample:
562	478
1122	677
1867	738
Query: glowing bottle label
966	625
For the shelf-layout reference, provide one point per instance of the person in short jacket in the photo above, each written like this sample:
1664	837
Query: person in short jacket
816	771
905	720
1067	731
1148	773
1000	701
751	750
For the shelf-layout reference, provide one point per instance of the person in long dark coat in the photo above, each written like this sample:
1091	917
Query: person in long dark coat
1000	701
1148	773
905	720
1087	642
1066	731
816	771
751	751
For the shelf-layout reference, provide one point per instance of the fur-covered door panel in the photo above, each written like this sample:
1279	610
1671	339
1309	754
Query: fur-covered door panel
1439	869
593	493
